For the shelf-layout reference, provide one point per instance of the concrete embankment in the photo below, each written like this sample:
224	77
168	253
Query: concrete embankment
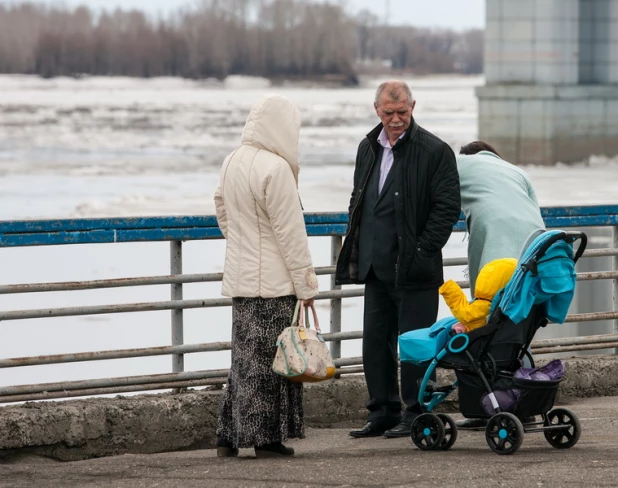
81	429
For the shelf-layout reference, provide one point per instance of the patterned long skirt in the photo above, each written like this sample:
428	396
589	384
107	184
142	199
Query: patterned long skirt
258	406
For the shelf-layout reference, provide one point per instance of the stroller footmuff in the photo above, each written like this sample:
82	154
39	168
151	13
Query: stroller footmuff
491	382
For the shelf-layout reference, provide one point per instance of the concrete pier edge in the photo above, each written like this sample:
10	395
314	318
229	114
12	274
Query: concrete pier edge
96	427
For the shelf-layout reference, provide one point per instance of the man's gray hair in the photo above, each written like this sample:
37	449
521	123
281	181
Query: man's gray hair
394	89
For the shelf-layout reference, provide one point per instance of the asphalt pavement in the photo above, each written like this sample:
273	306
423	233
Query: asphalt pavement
329	457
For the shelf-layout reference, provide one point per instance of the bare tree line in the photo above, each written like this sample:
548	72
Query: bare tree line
297	38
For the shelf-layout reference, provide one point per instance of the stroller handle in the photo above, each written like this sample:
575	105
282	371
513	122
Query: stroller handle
568	236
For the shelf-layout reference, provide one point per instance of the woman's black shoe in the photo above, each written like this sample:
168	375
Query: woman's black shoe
226	448
276	449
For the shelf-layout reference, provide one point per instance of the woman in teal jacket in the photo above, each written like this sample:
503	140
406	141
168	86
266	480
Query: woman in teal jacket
500	206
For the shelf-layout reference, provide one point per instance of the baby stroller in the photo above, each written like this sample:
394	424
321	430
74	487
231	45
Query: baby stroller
486	359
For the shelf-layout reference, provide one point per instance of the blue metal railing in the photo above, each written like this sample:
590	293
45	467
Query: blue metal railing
93	231
100	231
186	228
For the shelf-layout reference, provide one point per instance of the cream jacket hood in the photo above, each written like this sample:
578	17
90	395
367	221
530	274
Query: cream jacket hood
259	211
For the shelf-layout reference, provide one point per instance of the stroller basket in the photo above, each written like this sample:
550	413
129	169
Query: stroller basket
535	397
530	397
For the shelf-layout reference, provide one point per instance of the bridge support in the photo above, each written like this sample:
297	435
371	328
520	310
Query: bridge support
551	69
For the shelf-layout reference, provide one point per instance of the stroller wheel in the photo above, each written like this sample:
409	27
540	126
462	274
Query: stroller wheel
566	437
427	432
450	432
504	433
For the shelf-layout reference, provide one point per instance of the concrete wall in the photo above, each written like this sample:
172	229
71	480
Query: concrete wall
81	429
551	69
544	124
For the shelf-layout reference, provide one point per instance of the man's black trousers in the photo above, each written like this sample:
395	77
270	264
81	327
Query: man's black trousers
388	313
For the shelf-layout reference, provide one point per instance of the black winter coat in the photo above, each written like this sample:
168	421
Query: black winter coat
427	205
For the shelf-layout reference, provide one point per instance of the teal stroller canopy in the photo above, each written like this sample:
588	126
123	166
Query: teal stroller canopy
545	275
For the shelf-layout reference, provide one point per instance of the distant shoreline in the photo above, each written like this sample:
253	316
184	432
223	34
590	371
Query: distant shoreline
332	81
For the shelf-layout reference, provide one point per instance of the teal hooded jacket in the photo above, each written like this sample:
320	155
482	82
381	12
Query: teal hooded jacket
500	207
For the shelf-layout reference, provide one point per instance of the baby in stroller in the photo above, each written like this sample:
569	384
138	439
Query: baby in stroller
472	315
486	359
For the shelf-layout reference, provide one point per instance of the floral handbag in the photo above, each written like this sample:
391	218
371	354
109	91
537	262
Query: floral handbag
302	355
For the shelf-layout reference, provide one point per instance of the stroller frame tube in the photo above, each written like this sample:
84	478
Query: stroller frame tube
438	397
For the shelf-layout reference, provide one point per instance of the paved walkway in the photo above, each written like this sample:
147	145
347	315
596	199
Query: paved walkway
329	457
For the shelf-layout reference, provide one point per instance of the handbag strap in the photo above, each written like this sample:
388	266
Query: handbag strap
305	322
295	317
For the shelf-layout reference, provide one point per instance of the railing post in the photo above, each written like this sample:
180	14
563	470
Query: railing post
335	303
178	360
615	281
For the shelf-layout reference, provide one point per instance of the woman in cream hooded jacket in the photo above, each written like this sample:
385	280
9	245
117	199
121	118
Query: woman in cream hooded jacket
259	210
267	269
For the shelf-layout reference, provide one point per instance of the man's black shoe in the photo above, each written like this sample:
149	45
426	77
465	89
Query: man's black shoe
472	423
400	430
371	429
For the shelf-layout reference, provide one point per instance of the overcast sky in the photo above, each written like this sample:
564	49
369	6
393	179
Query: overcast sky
456	14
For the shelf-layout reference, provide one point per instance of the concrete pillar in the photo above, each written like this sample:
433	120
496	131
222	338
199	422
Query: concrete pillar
598	41
532	42
551	69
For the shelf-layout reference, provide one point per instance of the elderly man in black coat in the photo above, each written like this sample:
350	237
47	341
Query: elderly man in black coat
403	207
